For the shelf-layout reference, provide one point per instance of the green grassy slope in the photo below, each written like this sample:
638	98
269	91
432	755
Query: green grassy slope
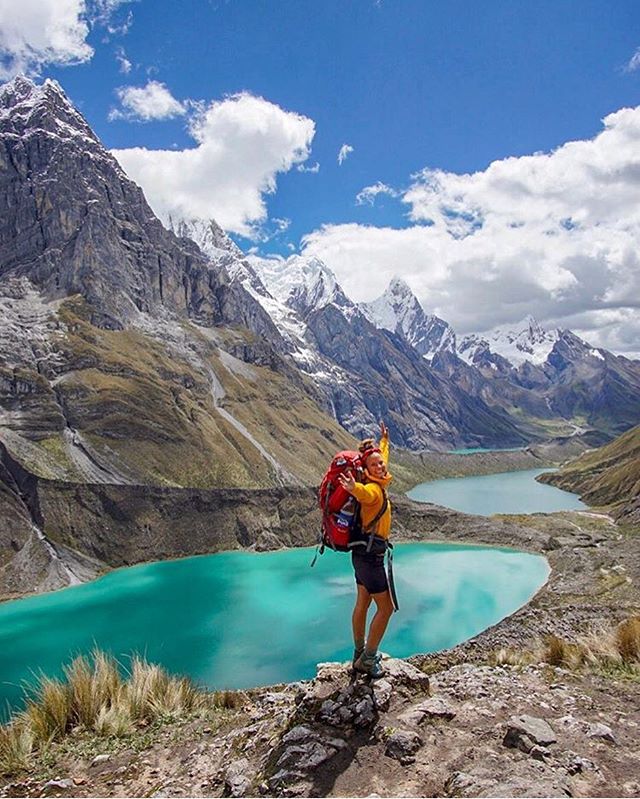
608	476
148	413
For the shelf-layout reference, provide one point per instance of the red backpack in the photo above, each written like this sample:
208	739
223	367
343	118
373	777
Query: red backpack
340	511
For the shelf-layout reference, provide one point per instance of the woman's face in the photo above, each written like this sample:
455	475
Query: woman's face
375	465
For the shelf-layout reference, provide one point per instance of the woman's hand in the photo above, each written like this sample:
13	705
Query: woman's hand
384	433
347	481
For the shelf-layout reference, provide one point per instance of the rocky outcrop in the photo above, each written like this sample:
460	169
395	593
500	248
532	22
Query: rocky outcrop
338	735
73	223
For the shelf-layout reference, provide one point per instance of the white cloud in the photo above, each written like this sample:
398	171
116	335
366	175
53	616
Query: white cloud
242	143
38	32
556	235
123	62
281	224
314	169
151	102
345	150
634	62
368	195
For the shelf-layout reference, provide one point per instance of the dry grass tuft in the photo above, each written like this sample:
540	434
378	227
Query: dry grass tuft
628	639
605	649
511	656
16	747
95	697
229	700
555	651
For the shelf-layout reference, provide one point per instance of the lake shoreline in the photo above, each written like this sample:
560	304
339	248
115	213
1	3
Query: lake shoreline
594	579
458	749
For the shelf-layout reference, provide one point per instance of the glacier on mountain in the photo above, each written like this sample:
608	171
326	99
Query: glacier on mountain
524	341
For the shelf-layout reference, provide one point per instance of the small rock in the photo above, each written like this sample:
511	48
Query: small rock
402	745
434	707
525	732
365	712
298	733
458	783
56	785
98	759
538	752
599	730
382	691
306	756
577	764
236	779
402	673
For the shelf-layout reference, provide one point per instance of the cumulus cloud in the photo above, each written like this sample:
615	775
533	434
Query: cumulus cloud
281	224
35	33
145	103
241	144
556	235
368	195
344	151
38	32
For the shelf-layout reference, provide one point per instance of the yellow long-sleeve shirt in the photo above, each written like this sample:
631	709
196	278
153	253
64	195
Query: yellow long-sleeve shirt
370	497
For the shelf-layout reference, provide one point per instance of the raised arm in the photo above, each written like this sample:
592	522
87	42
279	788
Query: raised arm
384	442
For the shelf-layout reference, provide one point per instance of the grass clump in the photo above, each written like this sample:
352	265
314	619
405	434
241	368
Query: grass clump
628	639
612	651
95	697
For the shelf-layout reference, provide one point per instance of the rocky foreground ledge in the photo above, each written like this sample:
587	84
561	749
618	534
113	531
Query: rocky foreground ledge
450	724
468	730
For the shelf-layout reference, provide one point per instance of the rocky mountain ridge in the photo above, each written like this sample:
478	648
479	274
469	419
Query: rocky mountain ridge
547	381
126	356
125	309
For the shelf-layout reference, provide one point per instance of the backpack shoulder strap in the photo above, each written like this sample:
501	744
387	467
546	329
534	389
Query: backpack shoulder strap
373	523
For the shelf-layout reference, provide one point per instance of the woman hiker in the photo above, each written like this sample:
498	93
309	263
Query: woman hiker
368	562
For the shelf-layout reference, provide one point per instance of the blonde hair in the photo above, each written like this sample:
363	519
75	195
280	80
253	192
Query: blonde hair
367	444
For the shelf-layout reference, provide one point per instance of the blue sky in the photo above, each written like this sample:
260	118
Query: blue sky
449	87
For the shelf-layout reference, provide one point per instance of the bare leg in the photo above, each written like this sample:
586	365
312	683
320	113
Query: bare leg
384	611
359	617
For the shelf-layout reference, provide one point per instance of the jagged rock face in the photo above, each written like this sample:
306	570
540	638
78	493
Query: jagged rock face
399	311
593	383
73	223
395	383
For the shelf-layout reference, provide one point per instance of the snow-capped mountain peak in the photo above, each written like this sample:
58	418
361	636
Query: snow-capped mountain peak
304	284
208	235
524	341
42	109
399	311
395	309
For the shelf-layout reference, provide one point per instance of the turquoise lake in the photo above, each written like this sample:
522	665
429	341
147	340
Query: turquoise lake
240	619
507	492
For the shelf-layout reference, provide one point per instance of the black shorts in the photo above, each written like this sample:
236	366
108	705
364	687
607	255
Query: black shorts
369	570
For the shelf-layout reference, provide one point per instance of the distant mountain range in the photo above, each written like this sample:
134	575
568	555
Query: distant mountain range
546	381
132	352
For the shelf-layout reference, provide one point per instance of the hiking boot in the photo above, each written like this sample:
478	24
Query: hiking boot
369	665
356	654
